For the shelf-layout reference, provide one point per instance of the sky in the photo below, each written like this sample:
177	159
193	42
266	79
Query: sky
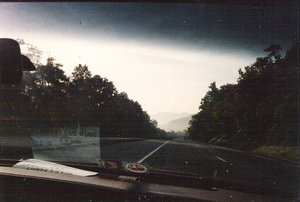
163	56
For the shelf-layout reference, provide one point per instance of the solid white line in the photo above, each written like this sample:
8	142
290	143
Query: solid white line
155	150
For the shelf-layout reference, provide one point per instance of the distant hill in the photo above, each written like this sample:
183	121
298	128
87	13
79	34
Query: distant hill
165	117
177	124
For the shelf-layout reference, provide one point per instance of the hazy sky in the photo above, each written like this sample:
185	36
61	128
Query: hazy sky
163	56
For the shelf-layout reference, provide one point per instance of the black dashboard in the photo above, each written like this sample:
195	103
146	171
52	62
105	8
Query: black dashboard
27	185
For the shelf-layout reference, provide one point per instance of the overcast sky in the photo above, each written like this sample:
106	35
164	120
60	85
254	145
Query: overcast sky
163	56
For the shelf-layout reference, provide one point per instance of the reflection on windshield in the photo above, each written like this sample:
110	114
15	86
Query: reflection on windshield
75	143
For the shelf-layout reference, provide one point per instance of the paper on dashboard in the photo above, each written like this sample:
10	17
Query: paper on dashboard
46	166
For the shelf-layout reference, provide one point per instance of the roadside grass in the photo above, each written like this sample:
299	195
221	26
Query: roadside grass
281	152
234	144
290	153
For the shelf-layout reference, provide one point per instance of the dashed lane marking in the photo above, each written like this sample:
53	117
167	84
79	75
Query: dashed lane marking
224	160
155	150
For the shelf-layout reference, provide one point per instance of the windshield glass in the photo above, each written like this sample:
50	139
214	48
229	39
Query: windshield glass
156	87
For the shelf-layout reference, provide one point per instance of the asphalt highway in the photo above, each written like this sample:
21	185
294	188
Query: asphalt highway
207	161
185	157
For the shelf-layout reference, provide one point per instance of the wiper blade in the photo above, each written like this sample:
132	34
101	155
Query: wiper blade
175	178
175	173
194	181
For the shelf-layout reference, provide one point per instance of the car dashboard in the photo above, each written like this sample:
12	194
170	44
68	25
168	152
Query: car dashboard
29	185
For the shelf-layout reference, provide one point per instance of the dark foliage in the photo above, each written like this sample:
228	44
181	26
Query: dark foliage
49	97
262	107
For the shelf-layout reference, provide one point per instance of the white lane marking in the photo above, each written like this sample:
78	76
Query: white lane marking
155	150
224	160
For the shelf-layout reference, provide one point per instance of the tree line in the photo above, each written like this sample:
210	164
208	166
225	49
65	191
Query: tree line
48	97
261	108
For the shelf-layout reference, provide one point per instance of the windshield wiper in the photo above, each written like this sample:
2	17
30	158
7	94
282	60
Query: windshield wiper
195	181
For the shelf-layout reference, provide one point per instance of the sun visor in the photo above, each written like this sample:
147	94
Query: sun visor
12	62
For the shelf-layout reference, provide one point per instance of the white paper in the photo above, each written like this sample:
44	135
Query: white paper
46	166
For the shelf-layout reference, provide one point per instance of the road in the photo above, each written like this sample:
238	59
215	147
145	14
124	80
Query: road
207	161
187	157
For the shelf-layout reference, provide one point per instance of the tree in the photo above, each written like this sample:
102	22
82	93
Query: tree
48	89
81	72
261	107
49	96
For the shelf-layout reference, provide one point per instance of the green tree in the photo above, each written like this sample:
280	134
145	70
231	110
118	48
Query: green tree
48	91
81	72
49	96
261	107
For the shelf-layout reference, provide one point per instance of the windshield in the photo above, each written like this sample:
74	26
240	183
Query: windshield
156	87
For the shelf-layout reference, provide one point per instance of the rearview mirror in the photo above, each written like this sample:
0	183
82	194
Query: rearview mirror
12	63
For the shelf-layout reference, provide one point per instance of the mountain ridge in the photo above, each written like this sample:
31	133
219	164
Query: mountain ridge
177	125
165	117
